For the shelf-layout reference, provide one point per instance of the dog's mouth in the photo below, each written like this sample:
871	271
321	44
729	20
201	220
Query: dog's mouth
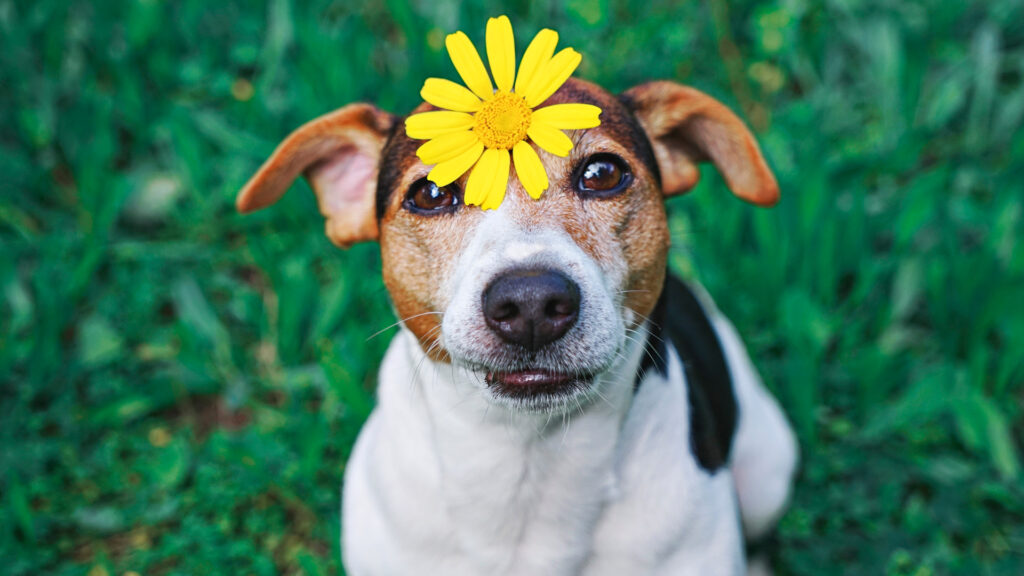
536	383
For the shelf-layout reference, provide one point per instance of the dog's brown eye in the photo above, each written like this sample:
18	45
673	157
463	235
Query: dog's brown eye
427	198
603	175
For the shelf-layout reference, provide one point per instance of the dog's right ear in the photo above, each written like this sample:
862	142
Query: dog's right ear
339	154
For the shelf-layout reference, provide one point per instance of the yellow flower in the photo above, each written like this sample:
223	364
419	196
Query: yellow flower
487	129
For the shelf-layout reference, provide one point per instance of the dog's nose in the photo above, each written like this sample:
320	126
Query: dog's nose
531	308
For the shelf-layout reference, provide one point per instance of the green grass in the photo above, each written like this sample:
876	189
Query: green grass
181	385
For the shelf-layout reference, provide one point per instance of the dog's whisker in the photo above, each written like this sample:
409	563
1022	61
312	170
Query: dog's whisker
430	349
649	351
547	421
565	429
646	334
646	319
603	398
402	321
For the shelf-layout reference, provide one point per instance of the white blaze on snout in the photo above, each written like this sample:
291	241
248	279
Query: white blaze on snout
501	244
521	251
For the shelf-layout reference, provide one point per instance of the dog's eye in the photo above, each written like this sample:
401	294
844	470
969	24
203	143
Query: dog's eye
427	198
603	175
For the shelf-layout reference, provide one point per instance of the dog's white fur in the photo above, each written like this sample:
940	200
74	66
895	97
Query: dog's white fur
448	478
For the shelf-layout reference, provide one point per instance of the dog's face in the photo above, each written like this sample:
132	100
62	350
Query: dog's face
539	297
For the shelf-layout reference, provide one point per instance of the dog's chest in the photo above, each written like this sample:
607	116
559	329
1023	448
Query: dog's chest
527	506
467	492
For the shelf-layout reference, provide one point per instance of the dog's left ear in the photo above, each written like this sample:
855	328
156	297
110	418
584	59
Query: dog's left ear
686	127
339	154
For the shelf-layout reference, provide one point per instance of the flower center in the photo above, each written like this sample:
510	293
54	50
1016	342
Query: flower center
502	121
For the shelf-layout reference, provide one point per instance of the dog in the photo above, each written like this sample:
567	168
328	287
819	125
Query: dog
554	403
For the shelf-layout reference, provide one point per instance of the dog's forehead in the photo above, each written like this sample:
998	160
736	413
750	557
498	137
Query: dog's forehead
617	123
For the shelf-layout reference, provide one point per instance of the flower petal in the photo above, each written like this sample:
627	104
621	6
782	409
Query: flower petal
550	139
476	184
446	147
481	180
427	125
568	116
536	56
468	64
529	169
499	183
552	76
449	95
501	52
450	170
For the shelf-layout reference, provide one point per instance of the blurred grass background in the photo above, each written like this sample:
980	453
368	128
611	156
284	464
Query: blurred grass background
181	385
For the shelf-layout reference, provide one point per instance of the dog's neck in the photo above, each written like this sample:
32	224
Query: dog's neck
510	481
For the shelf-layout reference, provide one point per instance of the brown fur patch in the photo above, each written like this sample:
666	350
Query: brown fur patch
419	253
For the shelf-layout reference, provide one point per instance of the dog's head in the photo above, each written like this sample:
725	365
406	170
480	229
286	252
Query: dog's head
537	297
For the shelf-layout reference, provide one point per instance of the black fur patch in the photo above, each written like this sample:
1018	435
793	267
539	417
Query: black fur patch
398	149
680	319
764	546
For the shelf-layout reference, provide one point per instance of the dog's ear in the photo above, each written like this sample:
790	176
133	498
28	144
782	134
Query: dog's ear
339	154
686	127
